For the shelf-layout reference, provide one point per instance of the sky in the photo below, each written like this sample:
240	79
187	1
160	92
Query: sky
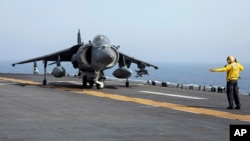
151	30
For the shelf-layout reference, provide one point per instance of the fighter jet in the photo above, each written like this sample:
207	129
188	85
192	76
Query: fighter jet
91	60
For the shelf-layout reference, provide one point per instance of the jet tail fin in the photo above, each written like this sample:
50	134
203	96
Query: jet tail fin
79	40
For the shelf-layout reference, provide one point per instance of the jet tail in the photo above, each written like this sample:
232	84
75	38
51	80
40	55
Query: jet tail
79	40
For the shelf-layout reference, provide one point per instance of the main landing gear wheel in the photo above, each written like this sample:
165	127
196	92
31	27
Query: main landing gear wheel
84	82
91	83
87	83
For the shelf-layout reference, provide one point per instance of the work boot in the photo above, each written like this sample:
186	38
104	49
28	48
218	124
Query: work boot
237	107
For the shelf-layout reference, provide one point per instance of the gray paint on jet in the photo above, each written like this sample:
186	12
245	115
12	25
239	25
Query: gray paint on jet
92	59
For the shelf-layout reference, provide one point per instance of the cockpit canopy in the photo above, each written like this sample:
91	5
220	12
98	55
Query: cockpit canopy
100	40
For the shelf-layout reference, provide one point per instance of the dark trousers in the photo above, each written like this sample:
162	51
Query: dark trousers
233	93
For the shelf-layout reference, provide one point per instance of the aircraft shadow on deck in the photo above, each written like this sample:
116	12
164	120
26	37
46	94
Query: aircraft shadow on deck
71	85
79	86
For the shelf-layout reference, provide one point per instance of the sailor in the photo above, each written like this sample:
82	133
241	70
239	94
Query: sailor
233	69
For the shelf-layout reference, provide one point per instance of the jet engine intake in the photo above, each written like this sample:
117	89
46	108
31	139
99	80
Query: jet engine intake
82	59
59	71
85	55
122	73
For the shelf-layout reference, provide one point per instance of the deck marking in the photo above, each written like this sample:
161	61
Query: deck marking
19	81
178	107
173	95
195	110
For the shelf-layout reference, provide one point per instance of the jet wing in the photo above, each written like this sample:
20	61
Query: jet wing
65	55
140	64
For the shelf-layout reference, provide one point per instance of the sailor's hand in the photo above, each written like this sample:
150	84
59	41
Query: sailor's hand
212	70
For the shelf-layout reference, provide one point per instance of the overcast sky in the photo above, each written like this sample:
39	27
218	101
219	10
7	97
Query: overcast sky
151	30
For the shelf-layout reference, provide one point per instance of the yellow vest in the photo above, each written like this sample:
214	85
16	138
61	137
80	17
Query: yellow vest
233	70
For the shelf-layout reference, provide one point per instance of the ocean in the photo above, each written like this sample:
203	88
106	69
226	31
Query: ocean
182	73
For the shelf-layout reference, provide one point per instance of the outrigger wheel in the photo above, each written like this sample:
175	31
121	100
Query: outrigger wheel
127	83
44	82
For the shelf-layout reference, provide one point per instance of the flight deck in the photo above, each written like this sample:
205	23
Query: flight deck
63	110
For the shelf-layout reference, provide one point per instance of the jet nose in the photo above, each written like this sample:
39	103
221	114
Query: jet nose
106	57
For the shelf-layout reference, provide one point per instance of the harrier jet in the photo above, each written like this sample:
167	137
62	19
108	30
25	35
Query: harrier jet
91	60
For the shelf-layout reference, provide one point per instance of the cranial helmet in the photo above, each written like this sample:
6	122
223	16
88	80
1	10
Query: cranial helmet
230	59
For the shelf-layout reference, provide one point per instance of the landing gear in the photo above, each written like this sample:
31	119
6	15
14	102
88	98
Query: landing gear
99	79
89	82
44	75
127	83
44	82
100	84
84	81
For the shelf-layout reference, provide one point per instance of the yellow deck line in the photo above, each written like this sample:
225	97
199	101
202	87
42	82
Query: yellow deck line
19	81
169	105
178	107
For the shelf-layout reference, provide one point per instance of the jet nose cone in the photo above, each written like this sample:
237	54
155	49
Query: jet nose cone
106	57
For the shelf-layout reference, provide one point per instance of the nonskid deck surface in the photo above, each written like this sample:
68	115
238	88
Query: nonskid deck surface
62	110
